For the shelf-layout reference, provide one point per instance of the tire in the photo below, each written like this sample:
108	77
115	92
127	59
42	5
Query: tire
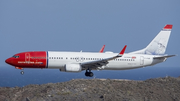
86	74
91	74
22	72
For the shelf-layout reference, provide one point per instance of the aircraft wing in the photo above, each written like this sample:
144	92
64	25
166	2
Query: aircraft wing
103	62
160	57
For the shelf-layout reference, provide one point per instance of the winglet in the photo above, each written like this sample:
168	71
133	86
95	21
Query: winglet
102	49
123	50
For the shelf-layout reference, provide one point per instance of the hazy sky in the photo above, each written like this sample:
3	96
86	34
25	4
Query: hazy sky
75	25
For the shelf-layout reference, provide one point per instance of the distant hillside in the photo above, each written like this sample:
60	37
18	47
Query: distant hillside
159	89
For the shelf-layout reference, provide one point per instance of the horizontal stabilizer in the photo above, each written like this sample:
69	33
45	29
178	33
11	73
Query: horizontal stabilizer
167	56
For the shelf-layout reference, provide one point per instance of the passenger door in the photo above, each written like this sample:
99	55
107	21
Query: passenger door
141	60
27	58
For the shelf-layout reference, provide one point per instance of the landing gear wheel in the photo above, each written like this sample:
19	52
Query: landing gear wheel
22	72
91	74
86	73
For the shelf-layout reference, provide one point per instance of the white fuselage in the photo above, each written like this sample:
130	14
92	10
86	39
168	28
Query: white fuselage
127	61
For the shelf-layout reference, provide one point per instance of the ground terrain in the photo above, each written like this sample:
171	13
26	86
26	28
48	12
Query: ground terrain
158	89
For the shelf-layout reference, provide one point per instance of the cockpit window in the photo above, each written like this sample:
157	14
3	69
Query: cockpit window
15	56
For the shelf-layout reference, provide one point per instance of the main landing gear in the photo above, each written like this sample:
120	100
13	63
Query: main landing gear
89	73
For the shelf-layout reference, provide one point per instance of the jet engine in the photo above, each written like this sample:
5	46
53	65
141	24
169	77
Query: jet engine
71	68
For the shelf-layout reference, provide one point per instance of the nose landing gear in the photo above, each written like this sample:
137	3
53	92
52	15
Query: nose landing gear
22	72
88	73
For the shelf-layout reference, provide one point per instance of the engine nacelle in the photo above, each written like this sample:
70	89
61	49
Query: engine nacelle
71	68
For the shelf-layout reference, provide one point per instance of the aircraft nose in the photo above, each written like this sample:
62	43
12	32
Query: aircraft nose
8	61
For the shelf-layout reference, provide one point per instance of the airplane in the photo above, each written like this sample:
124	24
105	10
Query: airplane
80	61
